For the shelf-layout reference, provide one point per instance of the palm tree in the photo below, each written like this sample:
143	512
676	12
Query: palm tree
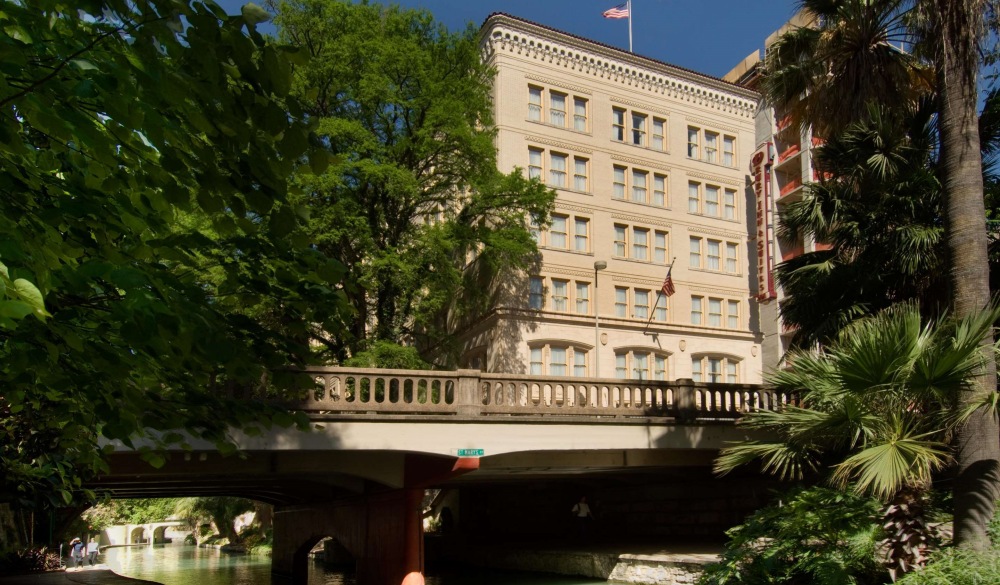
877	408
878	210
826	76
956	31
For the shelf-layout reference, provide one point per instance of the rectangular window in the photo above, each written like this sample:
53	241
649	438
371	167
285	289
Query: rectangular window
715	312
638	129
557	232
711	147
694	147
696	310
583	298
620	243
618	187
732	257
659	139
712	255
660	313
729	211
640	366
534	103
659	190
560	295
731	375
694	198
557	361
534	163
695	249
536	361
557	170
659	367
621	369
579	364
640	244
621	302
581	239
580	174
714	370
660	247
696	370
711	200
639	186
733	314
729	151
641	304
557	109
536	293
580	114
618	124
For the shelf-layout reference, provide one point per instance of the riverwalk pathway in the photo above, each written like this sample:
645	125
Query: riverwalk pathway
83	576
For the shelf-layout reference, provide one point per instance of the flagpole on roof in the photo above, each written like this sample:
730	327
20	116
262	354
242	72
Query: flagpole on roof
629	26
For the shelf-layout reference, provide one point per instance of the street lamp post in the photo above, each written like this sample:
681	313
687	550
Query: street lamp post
598	266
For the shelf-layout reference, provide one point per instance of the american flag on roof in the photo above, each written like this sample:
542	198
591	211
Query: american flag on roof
620	11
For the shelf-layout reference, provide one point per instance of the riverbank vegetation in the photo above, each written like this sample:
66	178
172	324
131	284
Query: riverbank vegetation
190	211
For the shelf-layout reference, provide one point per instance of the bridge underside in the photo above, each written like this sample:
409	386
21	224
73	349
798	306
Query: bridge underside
286	478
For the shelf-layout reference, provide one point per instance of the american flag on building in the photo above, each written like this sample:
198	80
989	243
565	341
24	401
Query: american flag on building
620	11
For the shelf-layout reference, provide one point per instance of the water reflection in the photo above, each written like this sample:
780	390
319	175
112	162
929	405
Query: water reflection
178	564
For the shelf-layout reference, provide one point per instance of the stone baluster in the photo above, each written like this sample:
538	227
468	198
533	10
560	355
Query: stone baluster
684	400
467	400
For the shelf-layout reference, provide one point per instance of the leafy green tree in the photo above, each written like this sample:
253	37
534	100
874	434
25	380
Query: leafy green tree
118	120
219	510
129	511
414	207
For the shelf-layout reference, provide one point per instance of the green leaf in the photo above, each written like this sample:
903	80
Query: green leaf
253	14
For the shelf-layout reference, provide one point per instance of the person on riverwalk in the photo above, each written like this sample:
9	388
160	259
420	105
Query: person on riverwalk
77	548
583	517
92	549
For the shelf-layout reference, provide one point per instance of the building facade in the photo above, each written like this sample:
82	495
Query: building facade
650	165
781	165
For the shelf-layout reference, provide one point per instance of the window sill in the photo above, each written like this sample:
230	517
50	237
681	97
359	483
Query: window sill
653	205
718	217
567	128
714	164
640	147
710	271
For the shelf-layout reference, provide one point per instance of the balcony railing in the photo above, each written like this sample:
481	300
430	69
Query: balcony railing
474	394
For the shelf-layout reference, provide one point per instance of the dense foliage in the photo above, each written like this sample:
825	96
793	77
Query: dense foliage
815	536
145	150
414	206
129	511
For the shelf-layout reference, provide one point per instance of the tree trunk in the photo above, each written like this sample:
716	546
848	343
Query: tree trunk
958	26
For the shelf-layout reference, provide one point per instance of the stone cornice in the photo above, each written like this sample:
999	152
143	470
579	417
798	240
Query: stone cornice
504	33
716	178
556	83
557	144
640	162
641	219
737	236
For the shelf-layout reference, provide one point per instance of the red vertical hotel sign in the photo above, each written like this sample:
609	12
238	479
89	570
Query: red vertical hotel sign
760	166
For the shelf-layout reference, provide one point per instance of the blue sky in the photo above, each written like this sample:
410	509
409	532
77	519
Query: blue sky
709	36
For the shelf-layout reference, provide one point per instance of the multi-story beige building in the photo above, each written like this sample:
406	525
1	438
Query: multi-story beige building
779	176
650	163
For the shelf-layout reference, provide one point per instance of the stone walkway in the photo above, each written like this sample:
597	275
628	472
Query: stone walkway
97	575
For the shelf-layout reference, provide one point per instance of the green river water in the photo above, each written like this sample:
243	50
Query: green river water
177	564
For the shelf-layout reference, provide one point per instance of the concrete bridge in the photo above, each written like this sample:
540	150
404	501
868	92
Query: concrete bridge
381	437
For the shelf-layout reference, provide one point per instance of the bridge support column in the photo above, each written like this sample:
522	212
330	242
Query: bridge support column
383	532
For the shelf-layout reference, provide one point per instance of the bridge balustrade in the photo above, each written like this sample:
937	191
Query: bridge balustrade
471	393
